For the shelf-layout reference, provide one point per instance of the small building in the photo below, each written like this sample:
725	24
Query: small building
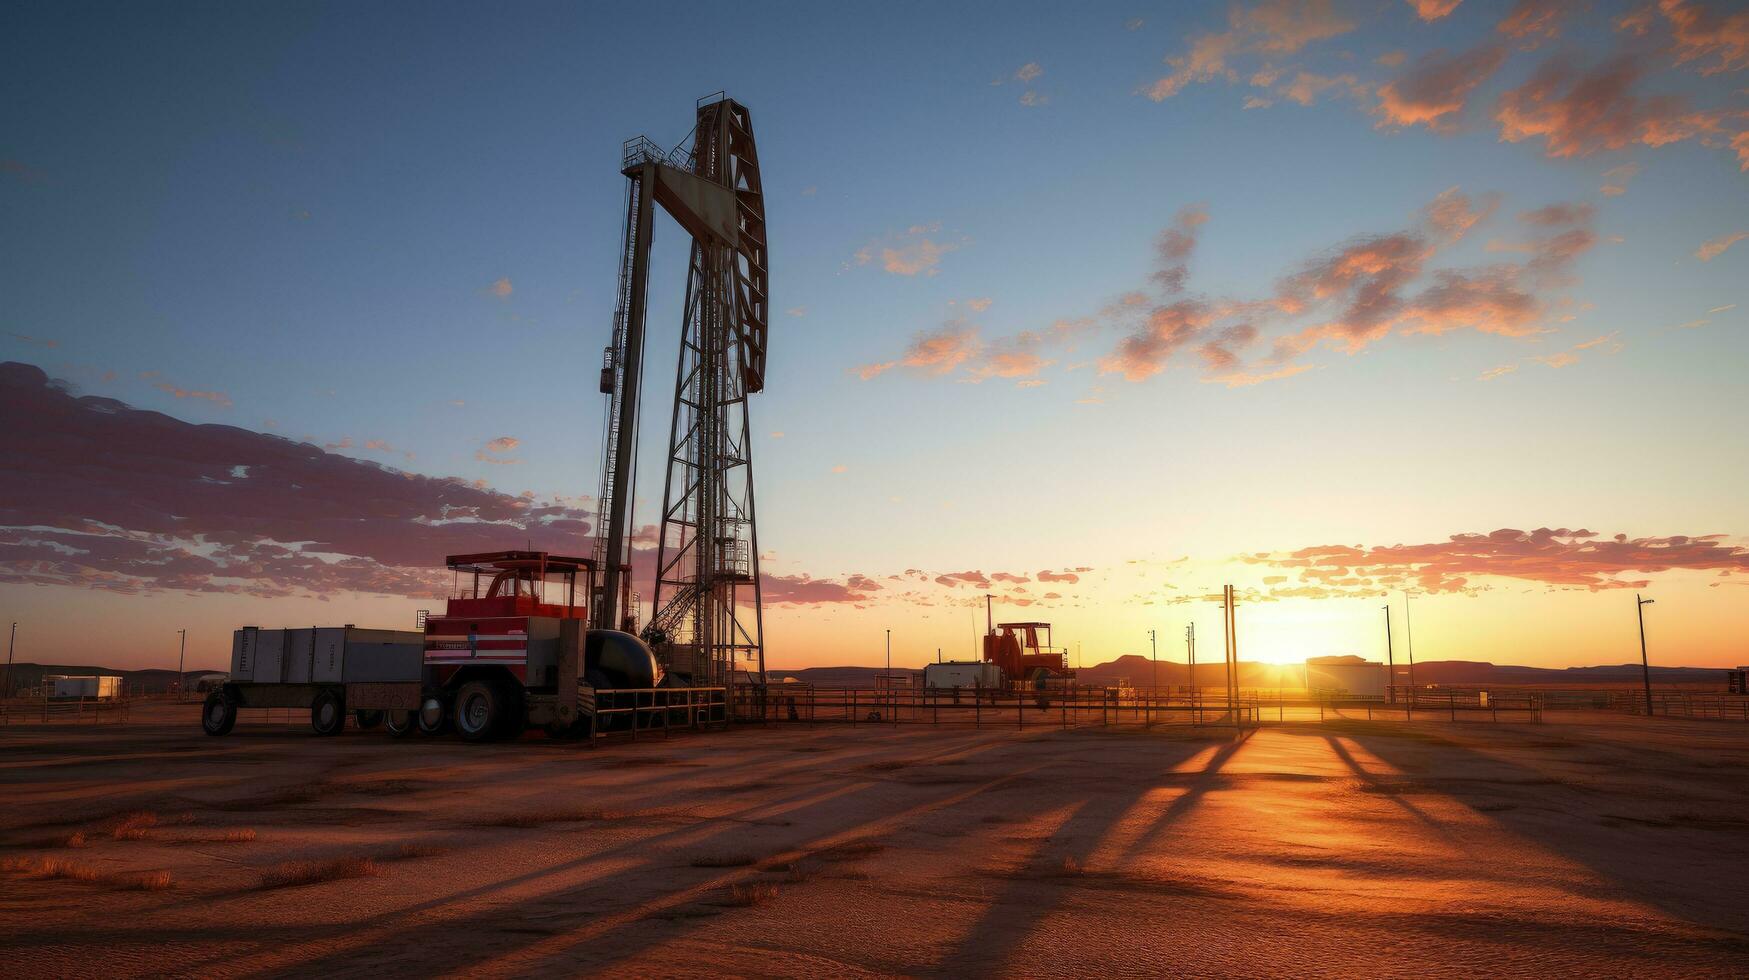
1737	681
1345	676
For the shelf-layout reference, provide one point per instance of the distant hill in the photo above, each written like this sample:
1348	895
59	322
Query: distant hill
151	681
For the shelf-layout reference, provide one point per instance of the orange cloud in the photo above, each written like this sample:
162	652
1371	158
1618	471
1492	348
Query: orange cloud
1615	179
1430	10
1144	353
1175	246
1451	215
501	288
933	352
1533	20
1577	113
1432	92
1557	557
218	398
493	451
1270	27
1702	34
910	254
1712	249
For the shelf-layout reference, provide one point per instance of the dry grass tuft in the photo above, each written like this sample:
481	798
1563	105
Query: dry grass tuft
58	868
133	826
1071	866
291	874
722	861
751	893
143	881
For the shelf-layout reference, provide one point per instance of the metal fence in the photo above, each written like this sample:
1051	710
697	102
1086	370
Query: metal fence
45	710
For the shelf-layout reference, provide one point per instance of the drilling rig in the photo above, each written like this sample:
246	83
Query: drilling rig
706	618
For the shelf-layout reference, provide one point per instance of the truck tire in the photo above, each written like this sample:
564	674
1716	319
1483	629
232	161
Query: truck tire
401	724
433	715
218	716
328	714
367	718
479	711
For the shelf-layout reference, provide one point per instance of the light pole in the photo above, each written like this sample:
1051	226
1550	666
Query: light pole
1155	657
1390	658
889	656
11	645
1190	650
1645	666
181	658
1409	627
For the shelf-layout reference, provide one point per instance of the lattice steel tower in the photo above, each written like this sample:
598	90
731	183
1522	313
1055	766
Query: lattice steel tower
707	619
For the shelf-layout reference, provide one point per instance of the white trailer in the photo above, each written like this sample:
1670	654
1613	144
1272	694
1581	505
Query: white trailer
102	688
329	670
963	673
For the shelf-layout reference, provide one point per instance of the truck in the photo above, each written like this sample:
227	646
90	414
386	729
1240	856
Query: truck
512	650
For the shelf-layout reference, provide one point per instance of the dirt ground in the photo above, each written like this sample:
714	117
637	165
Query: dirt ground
1589	843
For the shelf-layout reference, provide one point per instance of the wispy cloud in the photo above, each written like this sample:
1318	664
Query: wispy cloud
1713	249
1272	27
497	450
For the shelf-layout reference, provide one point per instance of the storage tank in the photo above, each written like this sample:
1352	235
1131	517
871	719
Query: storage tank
963	673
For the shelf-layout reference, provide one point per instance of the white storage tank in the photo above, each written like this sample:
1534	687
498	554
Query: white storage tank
963	673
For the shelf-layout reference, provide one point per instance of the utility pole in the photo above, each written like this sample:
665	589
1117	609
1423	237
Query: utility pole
1232	656
181	659
1409	627
1190	650
889	656
10	647
1390	659
1155	656
1645	665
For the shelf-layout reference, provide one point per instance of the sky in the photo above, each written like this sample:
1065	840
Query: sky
1092	307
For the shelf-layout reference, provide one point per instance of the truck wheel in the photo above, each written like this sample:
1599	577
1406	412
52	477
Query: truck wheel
402	723
479	711
433	716
328	714
218	715
367	718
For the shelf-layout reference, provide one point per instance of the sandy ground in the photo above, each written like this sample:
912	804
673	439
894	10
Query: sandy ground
1587	844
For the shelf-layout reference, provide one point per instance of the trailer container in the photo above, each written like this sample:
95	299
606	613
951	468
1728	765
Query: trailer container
330	670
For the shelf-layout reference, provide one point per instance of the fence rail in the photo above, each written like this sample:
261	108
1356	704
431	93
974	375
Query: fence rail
1073	707
44	710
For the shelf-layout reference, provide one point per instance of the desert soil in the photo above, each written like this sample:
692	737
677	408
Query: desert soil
1587	844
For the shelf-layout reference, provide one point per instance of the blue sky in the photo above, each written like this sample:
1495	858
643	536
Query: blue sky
305	208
